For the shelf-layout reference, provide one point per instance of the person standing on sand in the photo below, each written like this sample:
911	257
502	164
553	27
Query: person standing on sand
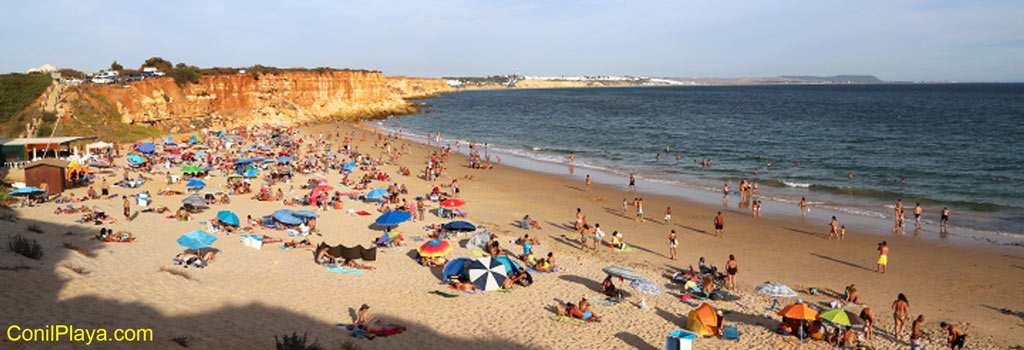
719	224
868	316
917	215
589	182
944	221
731	268
127	208
833	228
673	242
842	233
883	257
898	207
632	183
954	336
900	315
668	214
625	205
725	192
803	206
584	236
579	219
640	210
598	235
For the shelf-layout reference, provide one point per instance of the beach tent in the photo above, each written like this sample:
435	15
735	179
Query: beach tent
702	320
487	274
509	263
286	216
455	267
479	240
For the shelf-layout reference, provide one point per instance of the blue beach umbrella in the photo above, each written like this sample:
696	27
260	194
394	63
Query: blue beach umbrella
169	139
26	191
284	159
349	166
459	226
135	159
305	214
195	183
243	161
286	216
509	263
392	218
251	173
147	147
227	217
376	194
454	268
196	239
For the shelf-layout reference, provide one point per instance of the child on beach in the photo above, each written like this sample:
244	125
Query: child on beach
668	214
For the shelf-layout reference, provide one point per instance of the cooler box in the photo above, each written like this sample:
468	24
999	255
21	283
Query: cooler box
680	340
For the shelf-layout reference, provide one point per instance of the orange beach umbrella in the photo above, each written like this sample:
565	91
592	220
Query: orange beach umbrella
801	311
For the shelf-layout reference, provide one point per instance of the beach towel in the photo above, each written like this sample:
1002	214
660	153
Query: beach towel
392	248
113	241
504	290
345	270
687	302
377	333
480	253
443	294
569	320
627	250
602	301
543	273
363	213
288	248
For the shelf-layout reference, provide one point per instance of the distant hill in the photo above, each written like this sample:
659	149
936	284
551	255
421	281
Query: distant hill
843	78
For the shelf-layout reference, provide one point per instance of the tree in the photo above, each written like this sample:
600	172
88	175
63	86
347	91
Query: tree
116	67
159	63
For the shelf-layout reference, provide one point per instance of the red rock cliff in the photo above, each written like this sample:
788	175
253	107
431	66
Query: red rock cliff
287	98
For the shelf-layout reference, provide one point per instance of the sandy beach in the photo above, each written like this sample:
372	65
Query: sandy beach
247	297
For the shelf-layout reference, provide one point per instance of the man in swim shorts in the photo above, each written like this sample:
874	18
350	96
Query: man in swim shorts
883	257
955	337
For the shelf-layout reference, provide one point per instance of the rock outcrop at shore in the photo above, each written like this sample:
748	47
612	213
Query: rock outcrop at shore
288	98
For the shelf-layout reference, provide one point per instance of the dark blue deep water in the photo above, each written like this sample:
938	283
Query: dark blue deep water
957	145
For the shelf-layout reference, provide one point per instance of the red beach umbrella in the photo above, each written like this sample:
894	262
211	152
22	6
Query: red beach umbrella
452	203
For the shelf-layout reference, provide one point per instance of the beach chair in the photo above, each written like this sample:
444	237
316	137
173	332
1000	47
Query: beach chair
730	332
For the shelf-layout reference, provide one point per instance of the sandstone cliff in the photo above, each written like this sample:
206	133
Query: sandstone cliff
287	98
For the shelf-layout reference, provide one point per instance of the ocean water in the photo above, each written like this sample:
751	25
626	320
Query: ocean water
956	145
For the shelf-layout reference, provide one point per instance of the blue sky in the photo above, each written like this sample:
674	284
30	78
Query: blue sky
975	40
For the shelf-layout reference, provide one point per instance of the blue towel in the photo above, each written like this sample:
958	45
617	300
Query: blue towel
543	273
287	248
342	270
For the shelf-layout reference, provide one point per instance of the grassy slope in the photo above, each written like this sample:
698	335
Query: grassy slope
95	116
17	92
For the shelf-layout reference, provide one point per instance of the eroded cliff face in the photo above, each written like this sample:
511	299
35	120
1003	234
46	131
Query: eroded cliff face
287	98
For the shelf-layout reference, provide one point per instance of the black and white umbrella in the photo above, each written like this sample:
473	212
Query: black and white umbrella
487	274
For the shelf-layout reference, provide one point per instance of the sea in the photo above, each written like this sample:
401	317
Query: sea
940	145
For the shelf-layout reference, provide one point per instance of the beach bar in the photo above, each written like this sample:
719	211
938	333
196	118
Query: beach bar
16	152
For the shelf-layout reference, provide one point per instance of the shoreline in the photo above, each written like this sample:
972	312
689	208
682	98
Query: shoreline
871	221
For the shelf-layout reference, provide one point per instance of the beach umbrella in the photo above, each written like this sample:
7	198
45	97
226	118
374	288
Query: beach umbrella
775	290
196	239
147	147
454	268
251	173
26	191
99	164
284	159
322	188
434	248
376	194
195	183
646	287
194	200
193	139
243	161
191	169
801	311
622	272
169	139
286	216
228	218
479	240
392	218
459	226
841	316
349	166
452	203
487	274
702	320
135	159
305	214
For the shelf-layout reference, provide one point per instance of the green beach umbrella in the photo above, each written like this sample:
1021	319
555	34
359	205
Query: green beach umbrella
841	316
191	169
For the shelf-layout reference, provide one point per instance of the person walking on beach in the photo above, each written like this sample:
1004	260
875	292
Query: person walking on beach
833	228
127	208
632	183
673	242
883	257
954	336
803	206
731	268
584	236
640	210
455	188
944	221
900	315
579	219
590	183
719	224
598	235
899	227
668	214
917	215
625	206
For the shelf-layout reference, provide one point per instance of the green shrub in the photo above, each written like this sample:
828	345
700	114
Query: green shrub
26	247
18	91
295	342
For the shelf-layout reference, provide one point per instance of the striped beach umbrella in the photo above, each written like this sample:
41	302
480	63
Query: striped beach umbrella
776	290
622	272
434	248
487	274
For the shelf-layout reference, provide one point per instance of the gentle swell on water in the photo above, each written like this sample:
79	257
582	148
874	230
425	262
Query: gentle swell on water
950	142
